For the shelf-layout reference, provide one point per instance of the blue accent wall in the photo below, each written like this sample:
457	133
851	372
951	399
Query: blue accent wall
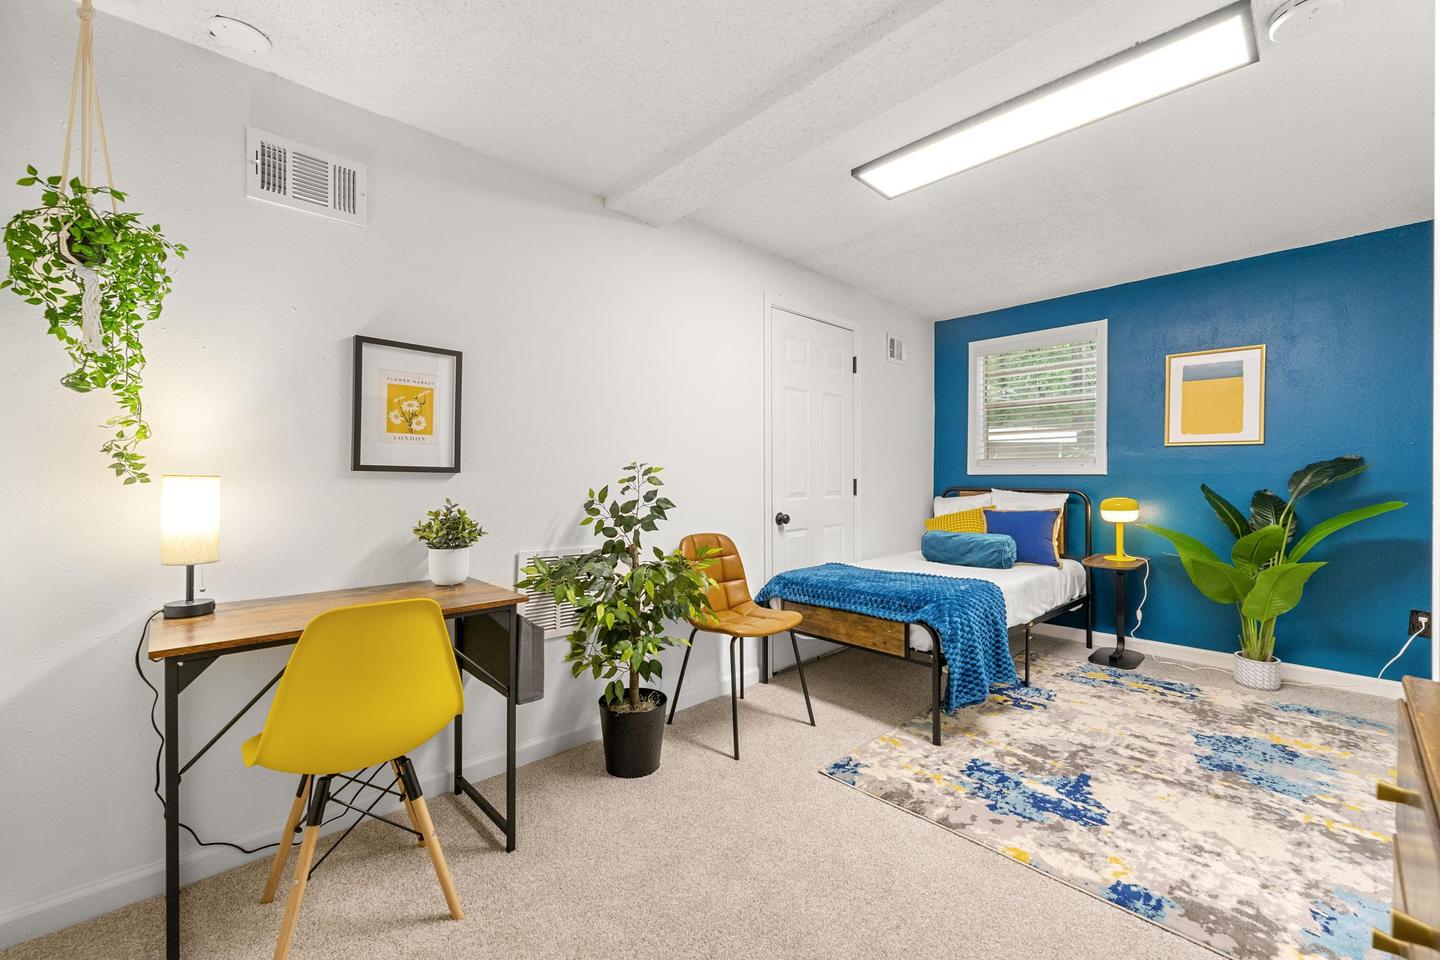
1348	329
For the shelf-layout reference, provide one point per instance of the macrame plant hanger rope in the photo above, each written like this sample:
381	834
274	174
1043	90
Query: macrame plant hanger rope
92	128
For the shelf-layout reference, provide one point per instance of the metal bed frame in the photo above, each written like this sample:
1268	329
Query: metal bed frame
860	632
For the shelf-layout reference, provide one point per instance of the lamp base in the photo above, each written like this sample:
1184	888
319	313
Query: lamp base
1119	557
1120	659
180	609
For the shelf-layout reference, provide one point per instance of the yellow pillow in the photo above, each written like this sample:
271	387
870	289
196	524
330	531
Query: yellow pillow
961	521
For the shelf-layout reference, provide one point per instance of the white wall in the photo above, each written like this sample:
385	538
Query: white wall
589	340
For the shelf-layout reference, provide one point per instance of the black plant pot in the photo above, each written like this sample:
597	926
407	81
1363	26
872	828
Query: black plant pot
633	740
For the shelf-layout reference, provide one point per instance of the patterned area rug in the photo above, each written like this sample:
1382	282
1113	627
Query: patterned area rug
1248	827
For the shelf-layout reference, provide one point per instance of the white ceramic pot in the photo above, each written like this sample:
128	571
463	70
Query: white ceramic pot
449	566
1256	674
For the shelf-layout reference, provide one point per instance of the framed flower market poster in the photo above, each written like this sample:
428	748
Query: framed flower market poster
407	407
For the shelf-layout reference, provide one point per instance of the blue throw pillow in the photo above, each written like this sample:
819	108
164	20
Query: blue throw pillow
1035	533
993	550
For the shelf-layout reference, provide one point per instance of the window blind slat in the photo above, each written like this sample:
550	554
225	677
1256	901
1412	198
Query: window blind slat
1039	403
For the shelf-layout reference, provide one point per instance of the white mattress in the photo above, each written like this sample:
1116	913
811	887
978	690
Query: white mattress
1030	589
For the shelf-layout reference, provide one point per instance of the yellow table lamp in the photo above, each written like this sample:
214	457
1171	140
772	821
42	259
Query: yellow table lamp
1119	511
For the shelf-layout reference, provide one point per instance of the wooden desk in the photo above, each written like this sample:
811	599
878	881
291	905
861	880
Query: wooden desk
188	648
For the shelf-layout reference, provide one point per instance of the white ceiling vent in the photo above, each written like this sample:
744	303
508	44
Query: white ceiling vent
556	619
896	349
291	174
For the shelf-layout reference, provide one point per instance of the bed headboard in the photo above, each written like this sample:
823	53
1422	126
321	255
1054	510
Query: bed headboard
1066	521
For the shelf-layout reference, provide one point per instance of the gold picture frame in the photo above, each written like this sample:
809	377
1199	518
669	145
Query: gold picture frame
1215	397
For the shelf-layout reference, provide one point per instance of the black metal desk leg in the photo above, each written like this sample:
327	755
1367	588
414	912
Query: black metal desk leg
511	692
459	717
765	659
1120	616
935	691
172	809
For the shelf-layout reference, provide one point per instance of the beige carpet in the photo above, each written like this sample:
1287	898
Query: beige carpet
764	858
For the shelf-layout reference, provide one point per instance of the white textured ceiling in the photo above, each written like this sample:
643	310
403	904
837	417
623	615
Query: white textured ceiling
748	115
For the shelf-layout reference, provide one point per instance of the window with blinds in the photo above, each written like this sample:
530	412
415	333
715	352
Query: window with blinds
1037	402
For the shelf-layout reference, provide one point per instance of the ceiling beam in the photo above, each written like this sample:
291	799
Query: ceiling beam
916	45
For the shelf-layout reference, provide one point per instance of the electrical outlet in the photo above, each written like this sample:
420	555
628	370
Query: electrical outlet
1420	622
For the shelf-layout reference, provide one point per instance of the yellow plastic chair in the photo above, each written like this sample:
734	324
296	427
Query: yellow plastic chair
365	685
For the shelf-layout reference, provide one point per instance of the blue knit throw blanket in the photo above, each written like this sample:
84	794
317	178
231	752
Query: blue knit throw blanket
968	614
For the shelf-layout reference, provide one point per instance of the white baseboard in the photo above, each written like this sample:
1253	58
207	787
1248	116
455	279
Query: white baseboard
101	895
1289	672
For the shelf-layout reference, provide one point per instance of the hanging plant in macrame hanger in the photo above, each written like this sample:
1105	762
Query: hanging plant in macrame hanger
99	274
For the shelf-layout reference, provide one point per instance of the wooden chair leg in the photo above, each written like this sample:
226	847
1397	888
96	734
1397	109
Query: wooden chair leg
320	793
432	844
282	854
405	798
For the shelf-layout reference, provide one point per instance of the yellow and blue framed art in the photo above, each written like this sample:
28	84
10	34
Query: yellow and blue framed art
1215	397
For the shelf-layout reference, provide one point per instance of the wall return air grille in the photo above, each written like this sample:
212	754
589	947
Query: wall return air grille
556	619
280	170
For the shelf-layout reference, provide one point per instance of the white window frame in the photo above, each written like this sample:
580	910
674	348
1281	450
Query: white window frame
1099	465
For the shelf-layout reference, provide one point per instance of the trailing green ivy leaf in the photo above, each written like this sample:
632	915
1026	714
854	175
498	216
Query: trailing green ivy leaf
129	260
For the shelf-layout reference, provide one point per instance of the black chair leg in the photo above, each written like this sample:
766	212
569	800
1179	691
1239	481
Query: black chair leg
800	669
741	678
1089	609
734	701
1027	654
765	654
675	697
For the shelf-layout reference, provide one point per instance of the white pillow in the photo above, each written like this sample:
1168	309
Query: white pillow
944	505
1020	500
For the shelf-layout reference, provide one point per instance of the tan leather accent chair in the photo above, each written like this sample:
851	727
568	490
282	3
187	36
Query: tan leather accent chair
734	613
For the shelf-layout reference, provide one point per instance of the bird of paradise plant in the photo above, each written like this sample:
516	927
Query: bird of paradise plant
1267	571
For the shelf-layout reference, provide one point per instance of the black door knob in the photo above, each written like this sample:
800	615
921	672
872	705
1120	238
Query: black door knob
781	519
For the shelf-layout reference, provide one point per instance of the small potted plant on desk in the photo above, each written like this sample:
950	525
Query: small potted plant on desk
449	532
1266	572
623	599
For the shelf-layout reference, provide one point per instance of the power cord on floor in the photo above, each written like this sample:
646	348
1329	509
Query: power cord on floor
1140	616
160	753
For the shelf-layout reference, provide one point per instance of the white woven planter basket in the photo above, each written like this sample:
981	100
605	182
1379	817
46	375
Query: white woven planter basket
1256	674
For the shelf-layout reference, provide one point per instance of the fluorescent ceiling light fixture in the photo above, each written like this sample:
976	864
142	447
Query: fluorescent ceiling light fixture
1198	51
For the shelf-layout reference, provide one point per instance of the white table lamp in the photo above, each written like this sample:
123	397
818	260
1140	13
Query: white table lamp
189	534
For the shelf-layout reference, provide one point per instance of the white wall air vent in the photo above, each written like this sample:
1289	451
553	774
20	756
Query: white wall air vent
896	349
291	174
556	619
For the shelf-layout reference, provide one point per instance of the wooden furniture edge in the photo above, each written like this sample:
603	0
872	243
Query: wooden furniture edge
854	629
1422	698
1099	561
187	637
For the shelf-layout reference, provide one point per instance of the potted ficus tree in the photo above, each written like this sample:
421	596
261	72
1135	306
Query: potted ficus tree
100	276
1267	569
448	533
624	598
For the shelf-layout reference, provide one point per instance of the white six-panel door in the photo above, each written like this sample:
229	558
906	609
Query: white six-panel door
812	431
